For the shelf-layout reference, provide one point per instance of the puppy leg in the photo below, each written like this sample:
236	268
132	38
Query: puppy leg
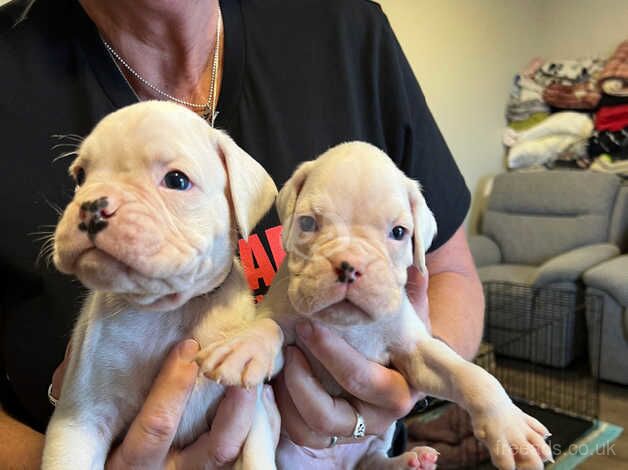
258	452
418	458
73	443
245	357
512	437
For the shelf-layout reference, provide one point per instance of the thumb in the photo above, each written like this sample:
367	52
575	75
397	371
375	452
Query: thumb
416	287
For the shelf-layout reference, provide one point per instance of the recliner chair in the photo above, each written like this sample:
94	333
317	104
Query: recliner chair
540	232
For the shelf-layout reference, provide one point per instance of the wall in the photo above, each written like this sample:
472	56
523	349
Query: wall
577	28
465	53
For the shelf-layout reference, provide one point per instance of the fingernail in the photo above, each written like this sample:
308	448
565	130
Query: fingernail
268	392
304	330
547	435
188	349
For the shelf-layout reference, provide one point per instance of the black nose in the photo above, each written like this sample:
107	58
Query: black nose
92	216
95	206
347	273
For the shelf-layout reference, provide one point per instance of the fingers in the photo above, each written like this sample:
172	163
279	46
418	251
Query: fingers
59	373
323	413
310	416
229	429
292	423
149	438
364	379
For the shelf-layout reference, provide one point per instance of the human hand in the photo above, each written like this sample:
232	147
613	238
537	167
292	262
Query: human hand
148	442
416	288
310	416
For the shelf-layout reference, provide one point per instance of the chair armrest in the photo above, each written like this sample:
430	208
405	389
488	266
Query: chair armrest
610	277
570	265
484	250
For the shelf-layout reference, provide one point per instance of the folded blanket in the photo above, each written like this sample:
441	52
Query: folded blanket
567	123
585	96
614	78
568	72
612	118
525	124
545	150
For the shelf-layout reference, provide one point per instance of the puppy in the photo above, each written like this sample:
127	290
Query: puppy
352	225
151	230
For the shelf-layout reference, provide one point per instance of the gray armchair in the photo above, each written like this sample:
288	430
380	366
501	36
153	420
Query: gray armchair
609	350
543	230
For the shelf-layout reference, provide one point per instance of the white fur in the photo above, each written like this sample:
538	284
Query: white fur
357	195
161	271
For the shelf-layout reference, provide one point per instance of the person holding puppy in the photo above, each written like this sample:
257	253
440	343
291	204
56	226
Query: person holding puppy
286	80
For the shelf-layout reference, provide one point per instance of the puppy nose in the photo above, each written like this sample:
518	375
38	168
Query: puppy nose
92	215
96	208
347	273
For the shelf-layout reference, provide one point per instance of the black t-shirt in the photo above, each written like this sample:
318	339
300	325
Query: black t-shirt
299	77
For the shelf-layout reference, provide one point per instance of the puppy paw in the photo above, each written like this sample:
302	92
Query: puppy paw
418	458
245	358
514	439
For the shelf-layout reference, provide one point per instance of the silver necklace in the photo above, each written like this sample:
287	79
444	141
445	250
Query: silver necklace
209	108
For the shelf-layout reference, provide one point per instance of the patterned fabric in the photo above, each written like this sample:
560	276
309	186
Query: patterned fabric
614	77
585	96
568	72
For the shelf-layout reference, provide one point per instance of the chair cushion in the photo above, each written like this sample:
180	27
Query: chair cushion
534	216
512	273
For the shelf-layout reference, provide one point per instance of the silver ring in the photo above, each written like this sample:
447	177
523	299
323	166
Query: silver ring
359	430
333	441
51	399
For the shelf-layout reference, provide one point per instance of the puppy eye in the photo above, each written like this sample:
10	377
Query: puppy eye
398	232
307	223
177	180
79	176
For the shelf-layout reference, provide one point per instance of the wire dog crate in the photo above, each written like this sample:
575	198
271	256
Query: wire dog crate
537	343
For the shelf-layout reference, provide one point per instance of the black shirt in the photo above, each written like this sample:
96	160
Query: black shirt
299	77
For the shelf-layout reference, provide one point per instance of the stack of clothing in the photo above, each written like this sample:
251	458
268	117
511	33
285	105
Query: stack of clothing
609	142
570	84
526	107
562	136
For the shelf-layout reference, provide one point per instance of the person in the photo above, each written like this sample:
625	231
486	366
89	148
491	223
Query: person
289	80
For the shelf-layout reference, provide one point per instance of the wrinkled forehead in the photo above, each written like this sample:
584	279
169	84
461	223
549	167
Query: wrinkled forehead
359	192
139	138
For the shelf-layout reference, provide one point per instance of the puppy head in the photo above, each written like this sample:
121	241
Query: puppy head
352	225
158	194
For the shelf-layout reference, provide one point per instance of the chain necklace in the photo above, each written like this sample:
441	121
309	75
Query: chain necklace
209	108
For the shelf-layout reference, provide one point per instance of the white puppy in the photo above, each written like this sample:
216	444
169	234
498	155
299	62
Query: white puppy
352	225
151	230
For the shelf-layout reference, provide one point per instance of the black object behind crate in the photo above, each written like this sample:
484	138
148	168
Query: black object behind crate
554	317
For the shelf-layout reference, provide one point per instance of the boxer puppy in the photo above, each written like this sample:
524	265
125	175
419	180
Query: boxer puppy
151	231
352	225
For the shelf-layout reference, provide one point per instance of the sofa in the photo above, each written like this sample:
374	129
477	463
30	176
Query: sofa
608	337
539	233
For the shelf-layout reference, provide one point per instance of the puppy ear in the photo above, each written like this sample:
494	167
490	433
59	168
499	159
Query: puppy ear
424	224
287	201
252	190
